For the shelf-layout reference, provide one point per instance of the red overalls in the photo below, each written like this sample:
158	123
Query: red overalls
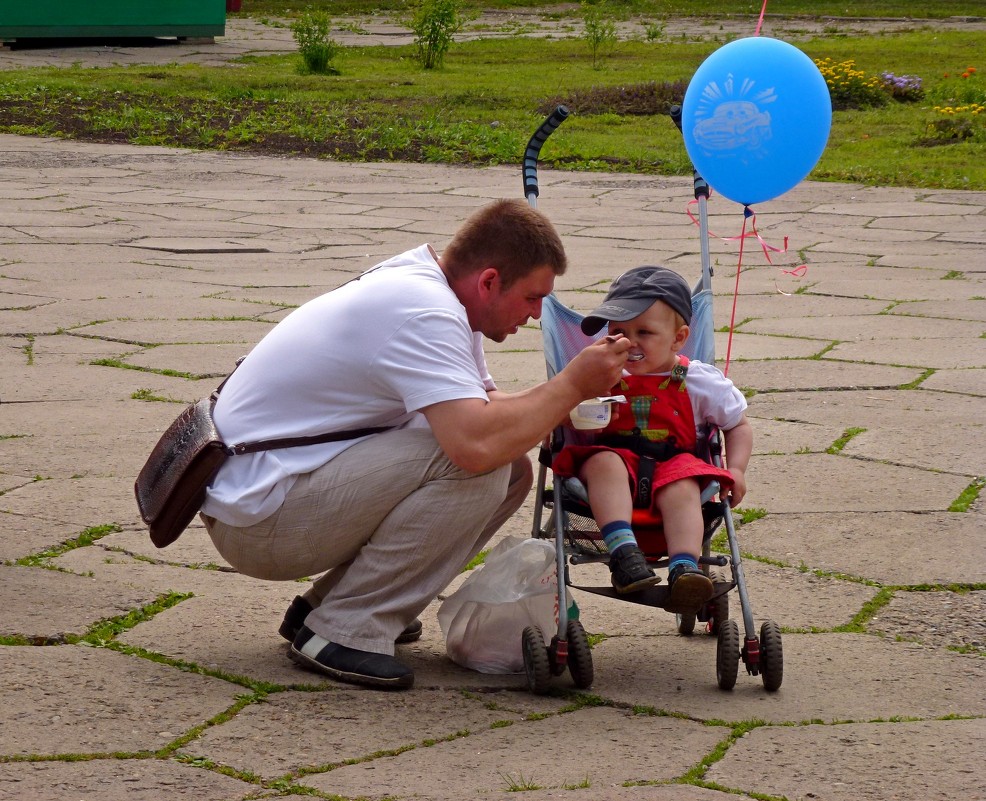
658	408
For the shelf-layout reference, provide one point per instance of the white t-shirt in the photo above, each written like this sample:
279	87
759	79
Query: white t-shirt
371	353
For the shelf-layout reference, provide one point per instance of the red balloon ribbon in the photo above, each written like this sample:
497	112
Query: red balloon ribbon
763	12
748	214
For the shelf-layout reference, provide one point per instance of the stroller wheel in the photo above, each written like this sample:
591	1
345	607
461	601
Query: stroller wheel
579	656
685	623
728	655
536	662
719	606
771	656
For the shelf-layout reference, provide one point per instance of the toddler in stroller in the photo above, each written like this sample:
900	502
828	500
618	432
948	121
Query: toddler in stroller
645	457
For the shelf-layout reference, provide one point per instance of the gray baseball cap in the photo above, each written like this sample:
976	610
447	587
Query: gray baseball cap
635	291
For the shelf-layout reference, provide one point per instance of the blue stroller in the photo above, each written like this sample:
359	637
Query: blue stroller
577	538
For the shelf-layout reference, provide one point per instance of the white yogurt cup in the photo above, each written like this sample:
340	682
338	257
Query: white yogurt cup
594	413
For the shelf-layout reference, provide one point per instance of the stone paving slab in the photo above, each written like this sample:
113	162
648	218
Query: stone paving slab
69	699
537	751
77	501
280	737
959	310
888	679
968	381
941	351
790	437
844	484
72	603
927	760
807	374
884	327
22	536
950	619
893	547
118	780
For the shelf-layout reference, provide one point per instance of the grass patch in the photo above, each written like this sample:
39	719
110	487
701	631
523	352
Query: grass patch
749	515
145	394
476	561
483	105
106	630
968	496
841	442
121	365
86	538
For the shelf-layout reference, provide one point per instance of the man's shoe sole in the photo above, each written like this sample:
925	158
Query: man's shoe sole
400	683
319	647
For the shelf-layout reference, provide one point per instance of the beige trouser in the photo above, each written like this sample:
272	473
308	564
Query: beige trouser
391	519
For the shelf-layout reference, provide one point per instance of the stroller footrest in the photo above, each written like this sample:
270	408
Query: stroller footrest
657	596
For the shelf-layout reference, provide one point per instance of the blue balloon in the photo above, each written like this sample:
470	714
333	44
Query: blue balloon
755	118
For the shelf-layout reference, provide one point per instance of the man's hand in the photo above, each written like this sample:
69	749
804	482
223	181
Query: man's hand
597	368
479	436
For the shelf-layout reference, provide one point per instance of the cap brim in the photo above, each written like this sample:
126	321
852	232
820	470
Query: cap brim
626	309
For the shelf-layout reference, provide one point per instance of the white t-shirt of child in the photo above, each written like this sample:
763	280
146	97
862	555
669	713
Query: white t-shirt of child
371	353
715	399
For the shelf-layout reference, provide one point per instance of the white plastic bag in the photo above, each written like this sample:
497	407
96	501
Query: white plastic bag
483	621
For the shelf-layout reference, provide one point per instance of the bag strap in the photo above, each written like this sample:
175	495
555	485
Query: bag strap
292	442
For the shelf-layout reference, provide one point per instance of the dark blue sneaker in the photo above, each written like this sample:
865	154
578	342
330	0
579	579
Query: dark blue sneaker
629	570
690	589
294	619
349	664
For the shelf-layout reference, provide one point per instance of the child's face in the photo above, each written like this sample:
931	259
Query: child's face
655	339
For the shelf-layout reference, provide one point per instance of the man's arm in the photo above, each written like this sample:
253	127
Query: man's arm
479	436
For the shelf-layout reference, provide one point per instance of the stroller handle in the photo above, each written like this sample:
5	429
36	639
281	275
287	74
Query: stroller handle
556	118
701	185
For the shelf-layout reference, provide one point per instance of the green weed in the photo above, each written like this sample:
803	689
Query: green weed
311	32
841	442
434	23
519	784
968	496
599	30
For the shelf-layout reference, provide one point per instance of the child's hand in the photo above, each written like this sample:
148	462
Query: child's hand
739	487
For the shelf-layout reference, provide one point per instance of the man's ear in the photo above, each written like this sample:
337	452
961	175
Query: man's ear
488	281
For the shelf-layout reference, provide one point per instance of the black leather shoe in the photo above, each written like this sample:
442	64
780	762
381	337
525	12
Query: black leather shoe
349	664
294	619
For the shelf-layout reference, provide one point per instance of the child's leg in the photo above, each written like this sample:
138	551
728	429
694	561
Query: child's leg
680	504
607	482
605	478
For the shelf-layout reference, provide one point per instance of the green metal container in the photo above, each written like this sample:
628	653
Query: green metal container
57	19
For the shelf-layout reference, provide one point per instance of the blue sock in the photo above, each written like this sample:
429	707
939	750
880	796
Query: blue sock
682	559
617	534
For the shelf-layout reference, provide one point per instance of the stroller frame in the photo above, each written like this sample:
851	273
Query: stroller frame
576	536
